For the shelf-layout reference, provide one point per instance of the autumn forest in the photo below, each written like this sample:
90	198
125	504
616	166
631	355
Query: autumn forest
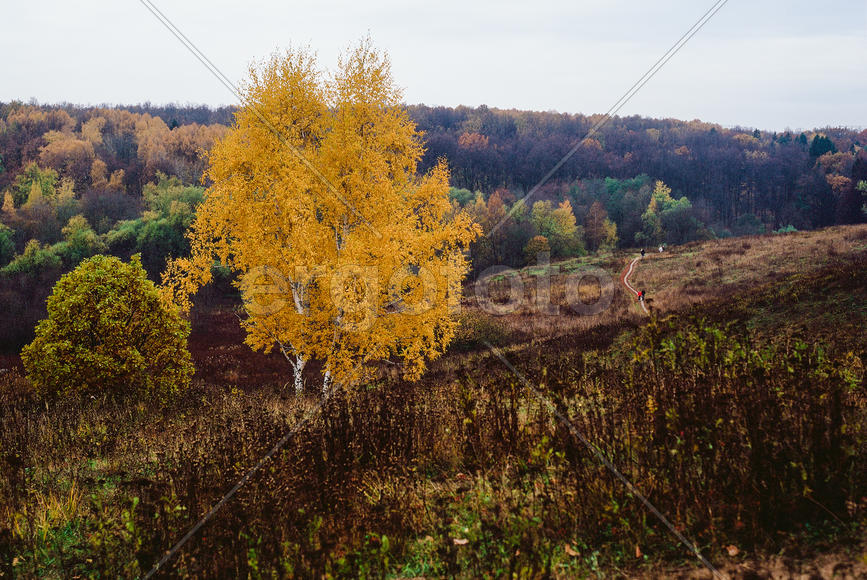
326	334
132	176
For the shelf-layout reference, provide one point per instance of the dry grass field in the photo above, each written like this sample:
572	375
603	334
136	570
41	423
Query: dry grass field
738	407
680	277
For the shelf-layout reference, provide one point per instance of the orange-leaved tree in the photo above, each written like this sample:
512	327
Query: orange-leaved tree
345	254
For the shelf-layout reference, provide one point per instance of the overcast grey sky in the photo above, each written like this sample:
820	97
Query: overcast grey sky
771	64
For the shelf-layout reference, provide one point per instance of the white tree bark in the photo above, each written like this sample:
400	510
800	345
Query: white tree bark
326	382
298	367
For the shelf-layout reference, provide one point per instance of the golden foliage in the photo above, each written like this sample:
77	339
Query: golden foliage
599	230
839	183
115	182
346	255
591	143
70	156
473	141
97	174
92	130
30	117
746	140
8	204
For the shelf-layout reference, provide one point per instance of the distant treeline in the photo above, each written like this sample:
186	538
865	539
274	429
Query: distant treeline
806	179
75	181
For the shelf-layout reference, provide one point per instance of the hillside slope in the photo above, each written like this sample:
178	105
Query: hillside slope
738	411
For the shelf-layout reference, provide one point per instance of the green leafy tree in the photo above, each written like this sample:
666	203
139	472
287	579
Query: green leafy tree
36	197
163	238
66	206
161	194
156	236
79	242
669	219
7	244
558	225
32	175
108	331
651	231
678	222
862	187
158	233
463	196
36	259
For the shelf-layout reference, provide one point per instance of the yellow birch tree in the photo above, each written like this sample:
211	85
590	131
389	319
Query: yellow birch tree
345	254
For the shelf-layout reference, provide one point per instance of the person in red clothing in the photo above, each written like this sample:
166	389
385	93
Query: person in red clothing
641	295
